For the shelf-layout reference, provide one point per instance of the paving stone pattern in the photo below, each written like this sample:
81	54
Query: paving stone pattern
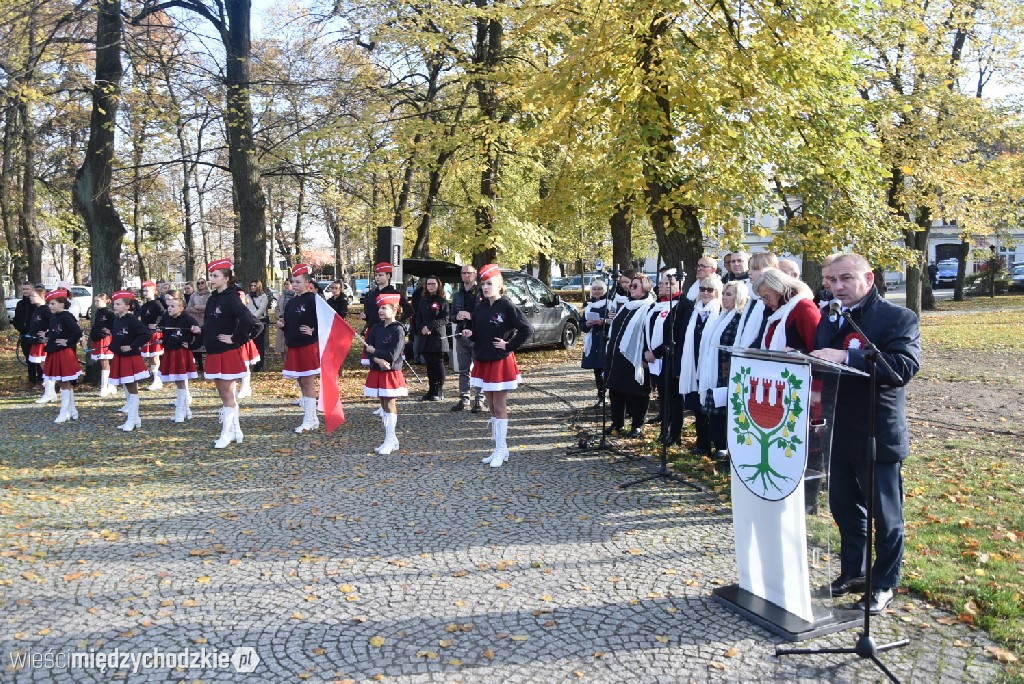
424	566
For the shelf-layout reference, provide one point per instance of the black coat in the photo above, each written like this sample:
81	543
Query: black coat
370	307
128	330
894	330
300	311
432	312
619	372
501	319
103	320
22	313
226	315
63	326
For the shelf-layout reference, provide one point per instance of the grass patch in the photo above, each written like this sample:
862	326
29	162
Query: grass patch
979	303
965	531
974	331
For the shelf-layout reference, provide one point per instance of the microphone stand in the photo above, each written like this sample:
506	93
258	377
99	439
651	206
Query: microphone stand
663	472
606	330
865	646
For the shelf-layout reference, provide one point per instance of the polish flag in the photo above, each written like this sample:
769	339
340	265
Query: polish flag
335	340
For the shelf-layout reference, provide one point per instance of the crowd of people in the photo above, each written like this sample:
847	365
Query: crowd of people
219	330
678	344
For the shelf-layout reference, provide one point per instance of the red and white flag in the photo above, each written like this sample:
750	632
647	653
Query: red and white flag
335	340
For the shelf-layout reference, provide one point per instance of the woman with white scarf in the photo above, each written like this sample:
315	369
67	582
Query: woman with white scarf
753	322
713	371
595	322
628	382
792	318
705	312
665	368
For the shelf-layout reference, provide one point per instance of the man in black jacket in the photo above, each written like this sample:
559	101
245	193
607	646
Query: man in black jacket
464	301
22	315
894	330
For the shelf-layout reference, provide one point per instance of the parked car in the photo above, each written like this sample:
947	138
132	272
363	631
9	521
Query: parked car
80	304
573	283
893	279
554	321
1017	278
558	283
947	272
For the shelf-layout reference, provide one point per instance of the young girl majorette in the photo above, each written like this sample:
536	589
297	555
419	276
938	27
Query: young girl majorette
38	322
151	313
178	364
499	328
300	336
127	339
61	365
225	330
99	338
385	380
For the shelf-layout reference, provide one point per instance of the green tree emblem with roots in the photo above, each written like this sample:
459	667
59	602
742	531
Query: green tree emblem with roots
771	426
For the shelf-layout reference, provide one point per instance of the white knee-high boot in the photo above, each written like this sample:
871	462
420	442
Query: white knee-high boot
106	389
500	446
72	410
179	406
133	420
65	407
48	393
158	383
390	443
488	458
246	389
228	428
309	419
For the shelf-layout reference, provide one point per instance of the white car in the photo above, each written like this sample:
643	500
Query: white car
81	304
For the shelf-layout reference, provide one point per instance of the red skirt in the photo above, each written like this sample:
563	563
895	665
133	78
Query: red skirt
302	361
496	376
382	383
37	354
177	365
228	365
124	370
101	349
364	358
62	366
251	353
155	346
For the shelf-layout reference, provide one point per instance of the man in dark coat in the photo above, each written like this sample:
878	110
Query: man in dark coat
22	315
894	330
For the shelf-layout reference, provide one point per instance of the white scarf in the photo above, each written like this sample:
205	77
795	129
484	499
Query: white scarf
688	372
694	291
778	342
751	324
655	331
588	339
631	344
707	365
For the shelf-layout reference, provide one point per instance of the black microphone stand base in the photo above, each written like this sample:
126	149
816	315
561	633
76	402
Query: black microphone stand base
663	474
865	648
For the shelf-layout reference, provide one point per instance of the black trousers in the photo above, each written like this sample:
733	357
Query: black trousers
717	422
599	381
692	403
199	356
636	404
261	346
672	406
435	368
35	370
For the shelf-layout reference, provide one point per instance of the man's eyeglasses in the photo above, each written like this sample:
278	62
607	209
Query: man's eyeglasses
633	286
704	266
707	289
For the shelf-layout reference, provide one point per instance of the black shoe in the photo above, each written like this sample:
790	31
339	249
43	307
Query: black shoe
438	396
612	431
461	406
635	433
478	406
848	584
880	600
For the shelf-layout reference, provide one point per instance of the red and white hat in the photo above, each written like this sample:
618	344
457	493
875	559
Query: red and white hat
489	271
301	269
122	294
149	283
217	264
55	294
383	267
392	298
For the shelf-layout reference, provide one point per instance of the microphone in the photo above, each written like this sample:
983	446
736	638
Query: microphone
834	307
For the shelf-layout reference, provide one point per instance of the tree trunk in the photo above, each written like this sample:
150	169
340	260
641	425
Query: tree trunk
27	216
299	209
486	57
138	142
92	182
622	236
961	271
810	273
917	240
8	180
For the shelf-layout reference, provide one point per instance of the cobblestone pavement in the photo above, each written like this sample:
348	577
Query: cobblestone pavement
334	563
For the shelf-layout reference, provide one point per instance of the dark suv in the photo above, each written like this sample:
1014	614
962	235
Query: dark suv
553	321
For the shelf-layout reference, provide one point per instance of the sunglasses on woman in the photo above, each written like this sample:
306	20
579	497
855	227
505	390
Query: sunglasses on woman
707	289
